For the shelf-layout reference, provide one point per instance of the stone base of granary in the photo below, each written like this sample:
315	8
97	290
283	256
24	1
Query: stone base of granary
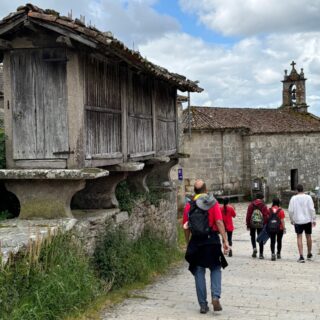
100	193
46	199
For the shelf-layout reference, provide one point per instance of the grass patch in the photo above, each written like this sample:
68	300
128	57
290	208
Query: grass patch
50	280
121	261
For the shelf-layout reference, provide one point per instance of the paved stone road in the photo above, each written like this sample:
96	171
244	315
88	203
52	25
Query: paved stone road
252	288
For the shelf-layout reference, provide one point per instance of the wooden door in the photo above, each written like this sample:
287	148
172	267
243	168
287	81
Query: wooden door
39	104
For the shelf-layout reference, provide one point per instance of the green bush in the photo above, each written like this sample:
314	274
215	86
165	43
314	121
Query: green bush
127	198
121	261
49	281
2	150
4	215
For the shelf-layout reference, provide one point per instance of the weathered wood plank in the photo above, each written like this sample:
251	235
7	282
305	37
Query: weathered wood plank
41	164
39	104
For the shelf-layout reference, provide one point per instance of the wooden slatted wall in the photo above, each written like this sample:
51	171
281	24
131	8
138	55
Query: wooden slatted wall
140	123
166	139
103	109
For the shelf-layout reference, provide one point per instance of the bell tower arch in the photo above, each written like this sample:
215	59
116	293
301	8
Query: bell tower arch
294	90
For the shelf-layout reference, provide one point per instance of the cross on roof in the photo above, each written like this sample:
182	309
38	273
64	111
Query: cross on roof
293	64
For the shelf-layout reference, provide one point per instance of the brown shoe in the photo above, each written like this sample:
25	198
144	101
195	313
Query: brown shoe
216	305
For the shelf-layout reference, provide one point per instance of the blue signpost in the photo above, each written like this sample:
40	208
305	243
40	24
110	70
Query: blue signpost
180	174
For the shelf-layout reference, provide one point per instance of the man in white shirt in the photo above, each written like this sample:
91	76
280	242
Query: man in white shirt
303	215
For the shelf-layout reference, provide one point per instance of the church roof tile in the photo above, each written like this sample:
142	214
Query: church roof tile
252	120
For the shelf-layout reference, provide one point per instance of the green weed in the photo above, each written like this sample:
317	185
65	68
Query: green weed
50	280
121	261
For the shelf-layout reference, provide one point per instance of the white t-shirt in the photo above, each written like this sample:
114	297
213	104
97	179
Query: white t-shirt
301	209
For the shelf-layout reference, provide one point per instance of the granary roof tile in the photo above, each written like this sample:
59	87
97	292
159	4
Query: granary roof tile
103	41
254	121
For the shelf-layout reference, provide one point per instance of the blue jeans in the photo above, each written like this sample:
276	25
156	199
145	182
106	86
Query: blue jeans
201	288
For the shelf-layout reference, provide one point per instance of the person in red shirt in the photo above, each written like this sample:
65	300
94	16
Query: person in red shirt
228	213
260	205
277	237
205	251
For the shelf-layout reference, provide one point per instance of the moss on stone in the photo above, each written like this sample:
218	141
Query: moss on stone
46	209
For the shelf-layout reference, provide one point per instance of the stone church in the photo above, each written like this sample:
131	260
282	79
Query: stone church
230	148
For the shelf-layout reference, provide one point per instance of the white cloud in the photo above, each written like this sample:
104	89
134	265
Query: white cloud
251	17
245	74
131	21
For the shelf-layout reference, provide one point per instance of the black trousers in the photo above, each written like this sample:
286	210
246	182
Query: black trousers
276	237
229	233
253	233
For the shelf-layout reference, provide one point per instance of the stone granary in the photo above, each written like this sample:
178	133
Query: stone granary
1	97
231	147
75	99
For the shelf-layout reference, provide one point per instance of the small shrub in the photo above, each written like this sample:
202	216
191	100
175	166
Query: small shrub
4	215
49	281
125	197
121	261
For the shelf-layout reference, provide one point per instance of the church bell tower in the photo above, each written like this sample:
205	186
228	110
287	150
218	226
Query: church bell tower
294	90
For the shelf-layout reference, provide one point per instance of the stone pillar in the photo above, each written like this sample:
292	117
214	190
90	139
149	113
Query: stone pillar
49	199
100	193
47	193
160	175
137	181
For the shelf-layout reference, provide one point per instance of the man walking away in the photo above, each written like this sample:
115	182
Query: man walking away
257	217
303	216
202	220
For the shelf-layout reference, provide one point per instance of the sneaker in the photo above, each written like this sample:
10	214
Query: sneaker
309	256
278	256
204	308
254	253
216	305
230	253
301	259
261	256
273	257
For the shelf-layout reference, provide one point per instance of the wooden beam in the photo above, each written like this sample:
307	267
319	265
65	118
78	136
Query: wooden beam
5	28
4	44
114	155
67	33
140	115
141	154
154	118
124	112
102	109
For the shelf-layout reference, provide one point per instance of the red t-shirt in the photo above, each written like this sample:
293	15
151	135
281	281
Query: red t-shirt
214	215
281	214
227	217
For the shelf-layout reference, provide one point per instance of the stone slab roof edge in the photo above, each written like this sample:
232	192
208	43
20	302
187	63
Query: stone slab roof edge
103	40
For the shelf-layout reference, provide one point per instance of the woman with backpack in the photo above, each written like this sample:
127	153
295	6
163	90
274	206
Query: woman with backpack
276	228
228	213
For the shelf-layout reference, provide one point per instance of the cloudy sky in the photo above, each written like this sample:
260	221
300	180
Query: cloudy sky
237	50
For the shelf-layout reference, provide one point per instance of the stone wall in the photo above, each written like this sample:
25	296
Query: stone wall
274	156
218	158
229	161
89	225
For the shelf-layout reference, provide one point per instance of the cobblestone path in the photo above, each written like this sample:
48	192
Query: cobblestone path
252	288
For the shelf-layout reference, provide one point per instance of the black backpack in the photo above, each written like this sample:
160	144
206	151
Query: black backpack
274	222
198	221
